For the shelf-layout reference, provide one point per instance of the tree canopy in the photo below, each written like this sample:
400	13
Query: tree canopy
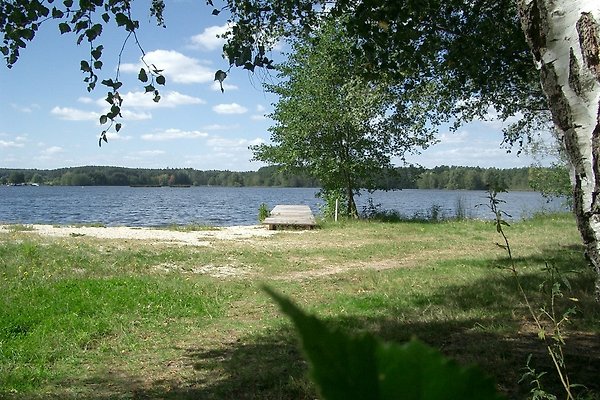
467	56
335	125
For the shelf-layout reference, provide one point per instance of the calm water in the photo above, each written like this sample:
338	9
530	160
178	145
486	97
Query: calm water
221	206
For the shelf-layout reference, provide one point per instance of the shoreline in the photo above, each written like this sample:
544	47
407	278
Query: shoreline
163	235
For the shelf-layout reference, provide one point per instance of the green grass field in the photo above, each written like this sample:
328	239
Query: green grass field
105	319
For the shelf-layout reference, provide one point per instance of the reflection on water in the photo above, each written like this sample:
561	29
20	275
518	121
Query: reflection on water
220	206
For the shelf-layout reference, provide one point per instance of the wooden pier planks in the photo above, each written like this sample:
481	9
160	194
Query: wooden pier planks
290	215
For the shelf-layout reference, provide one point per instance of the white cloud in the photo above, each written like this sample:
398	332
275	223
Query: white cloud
173	134
73	114
458	137
232	108
25	109
219	127
52	150
222	144
11	143
176	67
260	113
110	135
226	153
226	86
150	153
129	115
208	40
86	100
493	120
169	99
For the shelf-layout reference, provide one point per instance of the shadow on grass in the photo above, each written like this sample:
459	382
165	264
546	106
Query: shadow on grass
270	366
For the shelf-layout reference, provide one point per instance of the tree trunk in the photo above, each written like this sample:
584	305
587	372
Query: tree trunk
352	211
564	36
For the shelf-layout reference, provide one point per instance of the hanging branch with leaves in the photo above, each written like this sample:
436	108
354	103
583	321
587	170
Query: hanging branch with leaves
20	20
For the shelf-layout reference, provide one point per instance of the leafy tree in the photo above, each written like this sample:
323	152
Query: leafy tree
16	177
551	182
336	126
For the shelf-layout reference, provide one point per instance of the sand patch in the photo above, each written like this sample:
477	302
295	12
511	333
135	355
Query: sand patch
216	271
193	238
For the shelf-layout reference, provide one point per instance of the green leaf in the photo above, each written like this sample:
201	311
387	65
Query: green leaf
27	34
348	367
97	52
542	334
220	75
117	127
64	27
121	19
93	32
143	76
56	13
107	82
103	119
149	88
102	138
216	12
85	66
160	80
105	17
68	3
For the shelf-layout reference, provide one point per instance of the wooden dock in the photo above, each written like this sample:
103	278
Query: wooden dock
290	216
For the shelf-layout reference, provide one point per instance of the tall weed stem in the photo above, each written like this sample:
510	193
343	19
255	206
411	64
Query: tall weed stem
556	336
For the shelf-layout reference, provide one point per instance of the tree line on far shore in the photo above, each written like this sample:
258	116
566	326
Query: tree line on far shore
442	177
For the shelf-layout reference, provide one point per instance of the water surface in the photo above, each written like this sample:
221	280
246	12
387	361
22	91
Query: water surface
226	206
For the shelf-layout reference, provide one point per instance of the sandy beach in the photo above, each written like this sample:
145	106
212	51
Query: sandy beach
194	238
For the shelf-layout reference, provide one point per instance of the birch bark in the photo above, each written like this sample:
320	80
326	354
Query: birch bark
564	36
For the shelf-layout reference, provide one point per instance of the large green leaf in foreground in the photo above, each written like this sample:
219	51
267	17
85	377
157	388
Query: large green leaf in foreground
362	367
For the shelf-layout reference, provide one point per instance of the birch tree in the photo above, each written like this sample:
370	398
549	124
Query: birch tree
564	36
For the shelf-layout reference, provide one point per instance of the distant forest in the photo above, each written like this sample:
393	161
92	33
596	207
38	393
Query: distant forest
444	177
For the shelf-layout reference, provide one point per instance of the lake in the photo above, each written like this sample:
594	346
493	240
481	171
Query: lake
226	206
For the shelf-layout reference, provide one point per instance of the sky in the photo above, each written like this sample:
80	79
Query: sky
49	120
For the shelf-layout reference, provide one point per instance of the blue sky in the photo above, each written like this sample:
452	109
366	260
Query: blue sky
49	120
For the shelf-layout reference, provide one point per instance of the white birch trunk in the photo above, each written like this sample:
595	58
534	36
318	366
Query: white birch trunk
564	36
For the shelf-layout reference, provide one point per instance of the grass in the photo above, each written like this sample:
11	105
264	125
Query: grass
20	228
190	228
108	319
